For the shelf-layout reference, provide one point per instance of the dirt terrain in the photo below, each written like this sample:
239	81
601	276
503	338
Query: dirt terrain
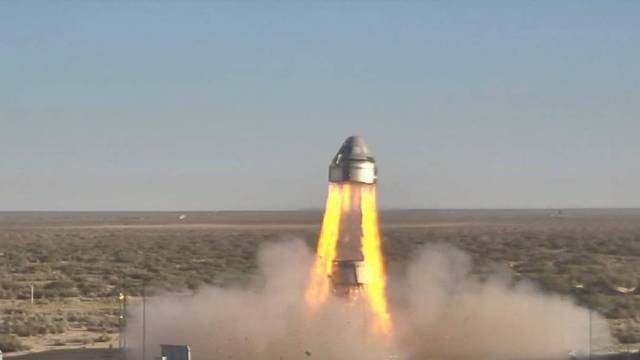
79	263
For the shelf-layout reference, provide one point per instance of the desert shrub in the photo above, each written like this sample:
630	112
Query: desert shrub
552	283
59	285
124	256
74	316
617	313
80	341
534	267
21	329
627	336
92	289
102	338
9	343
28	324
14	311
193	283
57	342
56	327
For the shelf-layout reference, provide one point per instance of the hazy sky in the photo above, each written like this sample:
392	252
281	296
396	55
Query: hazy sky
208	106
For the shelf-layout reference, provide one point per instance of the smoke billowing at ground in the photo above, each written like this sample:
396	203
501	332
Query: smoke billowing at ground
438	309
266	320
450	314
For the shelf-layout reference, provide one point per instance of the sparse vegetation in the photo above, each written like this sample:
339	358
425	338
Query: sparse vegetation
78	272
9	343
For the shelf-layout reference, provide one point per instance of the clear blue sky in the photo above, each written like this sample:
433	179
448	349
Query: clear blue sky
208	106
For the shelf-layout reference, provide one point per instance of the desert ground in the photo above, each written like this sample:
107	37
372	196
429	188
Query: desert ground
80	262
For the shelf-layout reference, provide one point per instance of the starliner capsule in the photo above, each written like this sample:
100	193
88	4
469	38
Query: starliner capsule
353	163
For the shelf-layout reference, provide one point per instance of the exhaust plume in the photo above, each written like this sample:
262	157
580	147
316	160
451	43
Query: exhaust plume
452	315
439	311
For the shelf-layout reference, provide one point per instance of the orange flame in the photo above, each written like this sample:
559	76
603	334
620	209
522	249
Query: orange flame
319	284
374	262
341	200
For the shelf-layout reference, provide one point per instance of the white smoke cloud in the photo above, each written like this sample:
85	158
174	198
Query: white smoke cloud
440	311
449	314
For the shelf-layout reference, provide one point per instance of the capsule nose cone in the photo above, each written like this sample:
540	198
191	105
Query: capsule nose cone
355	147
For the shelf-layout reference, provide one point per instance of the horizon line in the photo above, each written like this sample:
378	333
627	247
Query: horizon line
322	208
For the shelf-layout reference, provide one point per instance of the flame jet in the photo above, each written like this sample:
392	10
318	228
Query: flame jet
349	259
